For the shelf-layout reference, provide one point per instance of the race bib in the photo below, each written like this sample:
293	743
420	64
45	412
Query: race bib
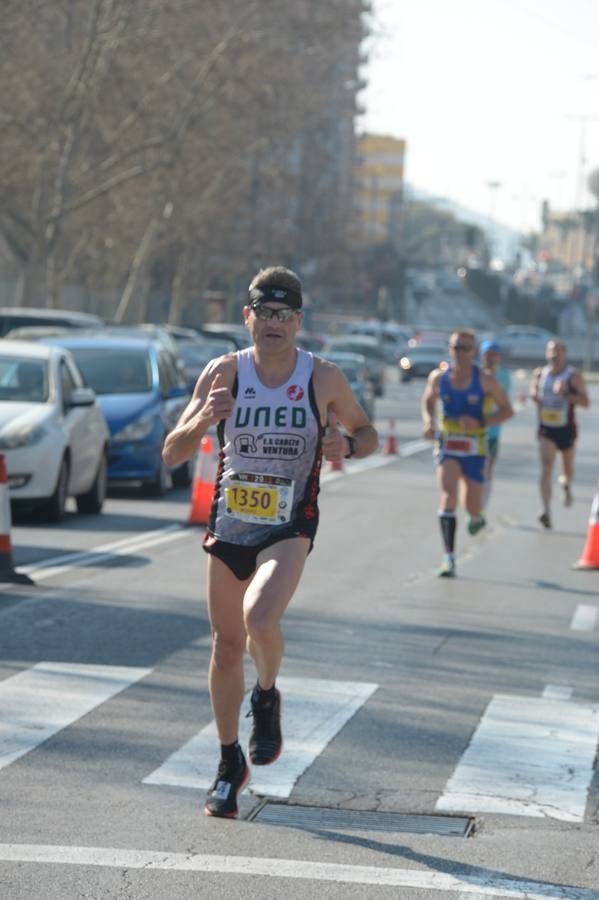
553	417
260	499
461	445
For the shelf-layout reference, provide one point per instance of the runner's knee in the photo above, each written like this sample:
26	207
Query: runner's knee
227	650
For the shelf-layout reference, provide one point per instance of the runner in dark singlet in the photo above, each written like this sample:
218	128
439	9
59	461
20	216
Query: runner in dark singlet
557	389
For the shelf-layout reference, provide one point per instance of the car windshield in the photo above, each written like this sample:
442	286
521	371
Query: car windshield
23	380
109	370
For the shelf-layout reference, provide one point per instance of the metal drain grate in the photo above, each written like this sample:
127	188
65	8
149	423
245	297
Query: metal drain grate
317	818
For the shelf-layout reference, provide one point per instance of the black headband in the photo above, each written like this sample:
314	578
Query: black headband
276	294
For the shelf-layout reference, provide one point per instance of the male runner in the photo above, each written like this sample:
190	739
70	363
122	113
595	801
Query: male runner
556	389
460	450
490	360
271	403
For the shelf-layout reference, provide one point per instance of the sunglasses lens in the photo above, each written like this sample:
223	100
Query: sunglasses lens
266	313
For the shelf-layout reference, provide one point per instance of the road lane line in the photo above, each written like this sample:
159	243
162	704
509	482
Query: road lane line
314	711
529	756
584	618
54	565
482	883
39	702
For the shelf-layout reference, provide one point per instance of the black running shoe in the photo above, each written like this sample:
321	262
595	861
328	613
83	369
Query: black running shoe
231	778
545	520
266	740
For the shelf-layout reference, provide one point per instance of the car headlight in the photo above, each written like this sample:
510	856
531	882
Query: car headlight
25	436
137	431
405	363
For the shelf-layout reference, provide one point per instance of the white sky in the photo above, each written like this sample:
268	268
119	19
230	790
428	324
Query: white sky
489	90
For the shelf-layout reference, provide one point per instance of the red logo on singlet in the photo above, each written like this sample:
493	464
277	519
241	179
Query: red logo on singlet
295	392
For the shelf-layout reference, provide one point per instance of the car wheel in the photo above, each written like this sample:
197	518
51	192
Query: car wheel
160	484
93	500
54	508
183	475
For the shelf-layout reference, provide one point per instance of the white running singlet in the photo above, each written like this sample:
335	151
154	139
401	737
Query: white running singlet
269	467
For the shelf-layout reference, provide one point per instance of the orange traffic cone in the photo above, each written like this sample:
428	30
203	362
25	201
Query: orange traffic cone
391	440
7	569
590	554
202	490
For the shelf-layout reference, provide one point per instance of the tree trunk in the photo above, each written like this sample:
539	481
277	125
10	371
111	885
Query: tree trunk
179	287
31	286
137	265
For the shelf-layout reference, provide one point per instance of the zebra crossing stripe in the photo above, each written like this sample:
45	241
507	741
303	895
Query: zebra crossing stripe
314	711
39	702
529	756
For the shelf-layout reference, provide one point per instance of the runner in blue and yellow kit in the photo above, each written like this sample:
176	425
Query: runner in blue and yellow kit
461	389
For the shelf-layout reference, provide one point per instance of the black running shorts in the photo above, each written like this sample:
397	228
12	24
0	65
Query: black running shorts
241	560
563	437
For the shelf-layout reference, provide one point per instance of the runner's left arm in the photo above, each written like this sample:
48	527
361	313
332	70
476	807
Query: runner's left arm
577	393
342	407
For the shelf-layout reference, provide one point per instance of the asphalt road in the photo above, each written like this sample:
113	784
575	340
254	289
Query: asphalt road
474	701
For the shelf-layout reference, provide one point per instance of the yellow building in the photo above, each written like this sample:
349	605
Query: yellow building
379	178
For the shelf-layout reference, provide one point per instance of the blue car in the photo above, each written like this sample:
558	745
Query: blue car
142	394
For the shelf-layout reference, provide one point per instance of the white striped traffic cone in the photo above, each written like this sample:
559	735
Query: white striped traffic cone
7	569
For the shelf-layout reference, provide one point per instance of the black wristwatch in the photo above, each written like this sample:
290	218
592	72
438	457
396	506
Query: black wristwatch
353	446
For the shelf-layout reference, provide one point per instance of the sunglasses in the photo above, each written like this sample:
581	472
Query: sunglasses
266	313
464	347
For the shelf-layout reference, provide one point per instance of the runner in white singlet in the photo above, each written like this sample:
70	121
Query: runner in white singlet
270	404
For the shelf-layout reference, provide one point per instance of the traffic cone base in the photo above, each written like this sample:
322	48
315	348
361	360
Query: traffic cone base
7	569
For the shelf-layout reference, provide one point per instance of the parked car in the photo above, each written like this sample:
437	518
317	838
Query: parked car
309	340
420	360
142	394
234	331
53	435
524	342
198	353
181	333
391	336
150	332
368	347
354	367
16	317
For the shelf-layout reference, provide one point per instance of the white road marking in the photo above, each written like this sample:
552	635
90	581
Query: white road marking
480	884
413	447
584	618
37	703
557	692
57	565
314	710
529	756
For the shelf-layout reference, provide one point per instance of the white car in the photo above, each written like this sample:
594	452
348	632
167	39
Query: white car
53	435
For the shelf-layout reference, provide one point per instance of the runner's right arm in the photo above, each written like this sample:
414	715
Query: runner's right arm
212	401
428	405
534	386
